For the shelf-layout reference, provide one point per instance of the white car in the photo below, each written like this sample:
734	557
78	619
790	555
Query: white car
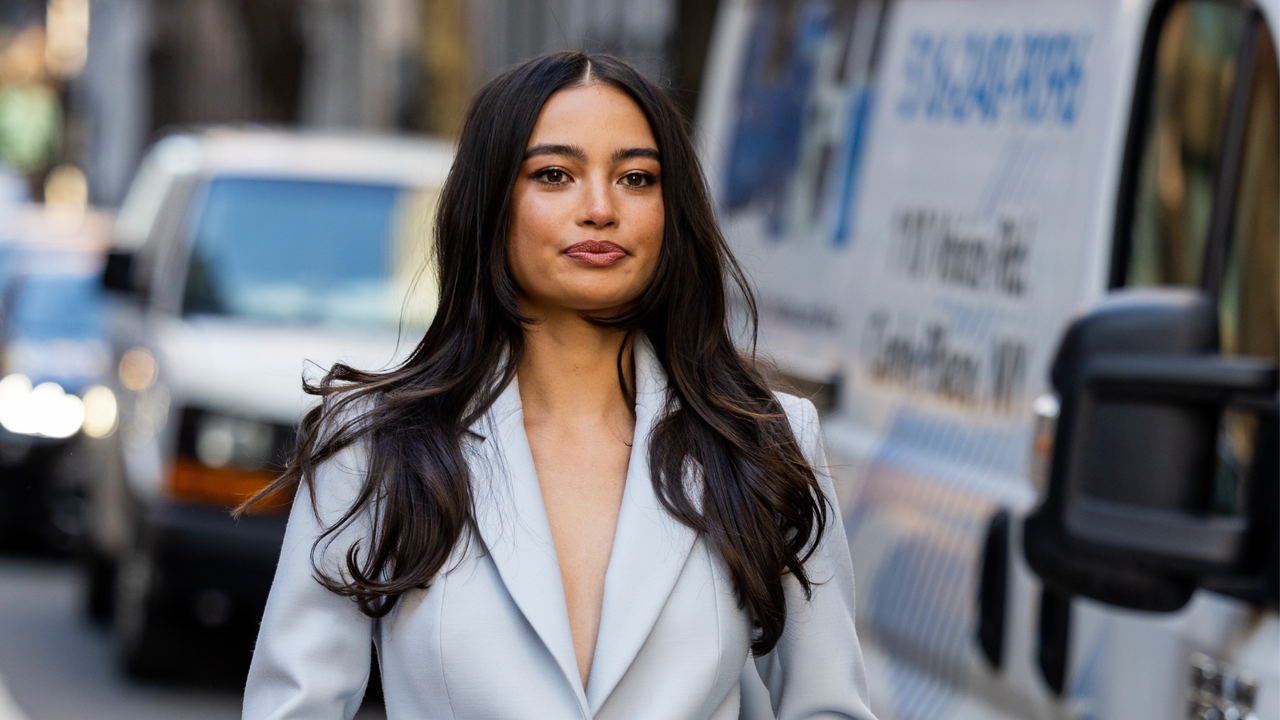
242	259
928	195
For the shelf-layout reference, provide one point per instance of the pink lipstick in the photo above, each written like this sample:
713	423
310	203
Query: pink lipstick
597	253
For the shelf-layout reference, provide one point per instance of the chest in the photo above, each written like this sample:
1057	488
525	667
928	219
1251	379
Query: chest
582	476
470	639
581	470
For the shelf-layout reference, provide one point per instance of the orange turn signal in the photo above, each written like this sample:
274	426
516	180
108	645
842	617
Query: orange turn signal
227	487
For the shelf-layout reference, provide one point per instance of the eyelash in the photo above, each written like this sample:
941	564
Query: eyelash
541	175
646	179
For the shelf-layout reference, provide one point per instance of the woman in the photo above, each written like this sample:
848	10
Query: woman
575	499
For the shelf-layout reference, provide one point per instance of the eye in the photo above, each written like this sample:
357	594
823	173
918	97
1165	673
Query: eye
638	179
552	176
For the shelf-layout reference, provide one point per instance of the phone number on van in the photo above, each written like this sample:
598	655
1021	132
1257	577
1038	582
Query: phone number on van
1037	78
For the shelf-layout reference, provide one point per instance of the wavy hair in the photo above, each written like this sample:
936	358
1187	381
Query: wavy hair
760	507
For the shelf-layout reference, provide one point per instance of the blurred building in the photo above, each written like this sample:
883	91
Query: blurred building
409	65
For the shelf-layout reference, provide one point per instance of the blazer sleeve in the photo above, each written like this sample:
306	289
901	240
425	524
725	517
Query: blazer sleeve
816	669
312	657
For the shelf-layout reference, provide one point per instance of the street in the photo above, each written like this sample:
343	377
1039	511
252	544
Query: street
56	665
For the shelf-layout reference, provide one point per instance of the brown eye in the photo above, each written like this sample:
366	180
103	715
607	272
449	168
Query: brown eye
637	179
552	176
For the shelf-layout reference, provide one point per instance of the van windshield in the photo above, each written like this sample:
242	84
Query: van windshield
303	252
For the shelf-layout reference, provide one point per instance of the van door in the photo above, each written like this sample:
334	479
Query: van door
1198	206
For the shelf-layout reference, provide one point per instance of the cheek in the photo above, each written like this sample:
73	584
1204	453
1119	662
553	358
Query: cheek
654	221
652	228
532	240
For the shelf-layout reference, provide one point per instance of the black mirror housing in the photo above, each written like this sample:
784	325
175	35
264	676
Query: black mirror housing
118	273
1126	517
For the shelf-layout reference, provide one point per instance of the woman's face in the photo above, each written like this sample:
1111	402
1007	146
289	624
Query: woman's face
587	214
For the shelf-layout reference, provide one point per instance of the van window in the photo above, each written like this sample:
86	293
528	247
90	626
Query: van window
302	252
1249	303
1181	144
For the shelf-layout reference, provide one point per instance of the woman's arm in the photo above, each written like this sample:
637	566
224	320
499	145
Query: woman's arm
815	670
312	656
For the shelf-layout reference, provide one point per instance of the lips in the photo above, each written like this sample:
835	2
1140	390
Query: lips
597	253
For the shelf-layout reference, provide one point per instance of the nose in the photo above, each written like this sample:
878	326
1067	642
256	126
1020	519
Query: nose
598	208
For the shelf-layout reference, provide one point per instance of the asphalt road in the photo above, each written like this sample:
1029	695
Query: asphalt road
56	665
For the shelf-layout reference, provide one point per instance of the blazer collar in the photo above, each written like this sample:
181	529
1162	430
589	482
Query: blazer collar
650	546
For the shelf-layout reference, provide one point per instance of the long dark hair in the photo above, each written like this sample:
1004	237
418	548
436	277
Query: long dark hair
760	508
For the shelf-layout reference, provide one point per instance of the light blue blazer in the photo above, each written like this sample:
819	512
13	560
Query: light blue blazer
490	640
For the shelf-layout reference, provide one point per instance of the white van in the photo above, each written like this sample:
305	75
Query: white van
928	194
239	257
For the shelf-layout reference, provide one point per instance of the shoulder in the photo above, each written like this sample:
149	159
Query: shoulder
801	413
803	417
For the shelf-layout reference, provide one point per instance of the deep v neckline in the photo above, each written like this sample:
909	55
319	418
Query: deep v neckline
582	493
650	547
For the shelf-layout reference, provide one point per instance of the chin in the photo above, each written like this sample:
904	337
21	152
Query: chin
602	307
595	299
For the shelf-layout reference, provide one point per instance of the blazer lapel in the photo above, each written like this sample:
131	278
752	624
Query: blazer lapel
512	522
650	547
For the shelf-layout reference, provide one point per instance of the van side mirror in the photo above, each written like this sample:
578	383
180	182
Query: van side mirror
118	272
1127	514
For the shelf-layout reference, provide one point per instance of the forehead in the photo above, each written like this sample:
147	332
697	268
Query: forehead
592	115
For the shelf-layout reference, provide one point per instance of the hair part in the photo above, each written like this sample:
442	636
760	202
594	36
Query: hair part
759	504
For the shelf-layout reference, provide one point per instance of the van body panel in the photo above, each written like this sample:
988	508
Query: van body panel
924	193
206	357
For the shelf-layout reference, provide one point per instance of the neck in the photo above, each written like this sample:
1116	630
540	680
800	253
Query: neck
570	372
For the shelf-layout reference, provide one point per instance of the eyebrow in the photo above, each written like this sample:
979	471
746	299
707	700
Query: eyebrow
574	151
639	152
577	153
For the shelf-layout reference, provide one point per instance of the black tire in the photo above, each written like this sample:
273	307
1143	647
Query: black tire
148	637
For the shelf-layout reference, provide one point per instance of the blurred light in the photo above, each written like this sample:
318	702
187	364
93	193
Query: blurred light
1046	406
66	188
215	444
100	412
66	37
14	391
1046	409
46	410
222	441
60	415
138	369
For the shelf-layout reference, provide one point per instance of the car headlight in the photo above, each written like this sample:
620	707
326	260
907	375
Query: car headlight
224	460
223	441
45	410
101	413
